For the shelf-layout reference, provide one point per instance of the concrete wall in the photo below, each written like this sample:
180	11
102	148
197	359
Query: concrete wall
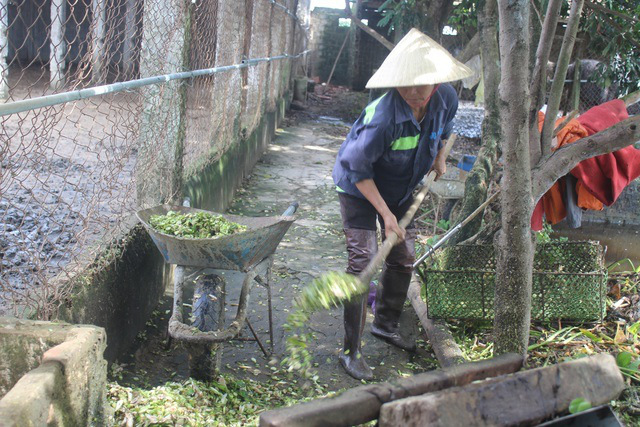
623	212
119	290
52	374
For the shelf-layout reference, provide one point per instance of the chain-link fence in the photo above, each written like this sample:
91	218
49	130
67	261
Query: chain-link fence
86	139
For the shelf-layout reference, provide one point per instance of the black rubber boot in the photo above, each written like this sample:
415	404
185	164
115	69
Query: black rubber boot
390	299
351	357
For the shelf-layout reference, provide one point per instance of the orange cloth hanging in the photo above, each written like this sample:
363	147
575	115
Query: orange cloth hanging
553	200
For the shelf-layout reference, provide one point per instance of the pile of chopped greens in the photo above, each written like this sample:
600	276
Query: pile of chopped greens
224	402
199	225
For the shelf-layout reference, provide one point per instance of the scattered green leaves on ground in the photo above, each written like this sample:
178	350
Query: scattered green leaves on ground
197	225
578	405
224	402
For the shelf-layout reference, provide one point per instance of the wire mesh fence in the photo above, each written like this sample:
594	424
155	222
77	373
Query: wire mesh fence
72	173
589	94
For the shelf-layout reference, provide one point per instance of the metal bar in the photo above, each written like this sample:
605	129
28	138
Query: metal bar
255	335
439	243
455	229
270	304
61	98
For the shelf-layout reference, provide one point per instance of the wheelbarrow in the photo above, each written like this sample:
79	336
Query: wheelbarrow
208	261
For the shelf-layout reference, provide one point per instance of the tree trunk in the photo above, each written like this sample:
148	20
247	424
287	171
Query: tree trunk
560	75
514	245
437	15
477	184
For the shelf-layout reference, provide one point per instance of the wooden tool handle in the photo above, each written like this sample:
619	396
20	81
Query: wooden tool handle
389	243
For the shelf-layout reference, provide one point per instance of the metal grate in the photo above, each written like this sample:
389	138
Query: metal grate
569	282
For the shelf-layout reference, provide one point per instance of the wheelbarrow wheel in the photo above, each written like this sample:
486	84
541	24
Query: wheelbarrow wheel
206	305
207	314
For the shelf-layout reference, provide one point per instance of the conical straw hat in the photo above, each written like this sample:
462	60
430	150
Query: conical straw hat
418	60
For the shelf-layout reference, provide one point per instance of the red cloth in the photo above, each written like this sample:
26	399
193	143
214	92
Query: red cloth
605	176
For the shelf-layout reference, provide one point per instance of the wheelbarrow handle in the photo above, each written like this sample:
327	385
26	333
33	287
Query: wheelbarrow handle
293	207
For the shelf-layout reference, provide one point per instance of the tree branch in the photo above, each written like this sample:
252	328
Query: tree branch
608	11
621	30
631	98
539	77
558	164
564	57
471	49
535	9
386	43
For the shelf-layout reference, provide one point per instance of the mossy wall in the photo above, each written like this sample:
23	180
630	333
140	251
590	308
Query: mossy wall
120	290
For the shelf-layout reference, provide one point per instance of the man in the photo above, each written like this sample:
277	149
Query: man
393	144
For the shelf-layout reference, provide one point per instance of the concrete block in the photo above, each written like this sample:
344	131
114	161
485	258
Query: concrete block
68	388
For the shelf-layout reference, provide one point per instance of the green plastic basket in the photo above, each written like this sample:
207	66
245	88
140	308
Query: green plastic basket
569	282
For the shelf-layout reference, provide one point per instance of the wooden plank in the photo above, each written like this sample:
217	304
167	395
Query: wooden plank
130	37
524	398
444	346
362	404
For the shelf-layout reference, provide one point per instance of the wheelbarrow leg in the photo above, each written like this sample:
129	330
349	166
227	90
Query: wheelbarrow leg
178	284
269	305
257	338
266	283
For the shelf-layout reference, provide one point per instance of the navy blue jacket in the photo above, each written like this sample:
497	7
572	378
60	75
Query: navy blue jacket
388	145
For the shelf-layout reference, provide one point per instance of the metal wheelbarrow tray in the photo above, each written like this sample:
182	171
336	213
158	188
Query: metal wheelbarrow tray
238	251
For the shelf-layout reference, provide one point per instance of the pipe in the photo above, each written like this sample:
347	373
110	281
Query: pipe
61	98
455	229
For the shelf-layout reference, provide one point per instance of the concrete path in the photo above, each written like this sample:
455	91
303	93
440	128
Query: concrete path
297	167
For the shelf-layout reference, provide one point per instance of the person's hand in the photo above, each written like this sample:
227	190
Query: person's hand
439	166
391	227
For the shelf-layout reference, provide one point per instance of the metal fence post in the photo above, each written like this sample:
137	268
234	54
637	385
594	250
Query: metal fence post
4	49
57	63
98	10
